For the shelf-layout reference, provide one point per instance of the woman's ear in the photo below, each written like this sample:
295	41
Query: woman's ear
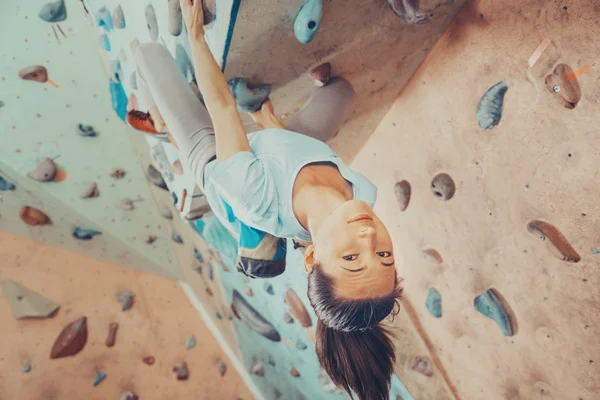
309	259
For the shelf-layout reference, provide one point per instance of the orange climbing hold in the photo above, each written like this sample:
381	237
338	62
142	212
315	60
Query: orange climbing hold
141	121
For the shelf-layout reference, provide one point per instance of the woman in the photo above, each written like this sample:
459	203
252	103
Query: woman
291	186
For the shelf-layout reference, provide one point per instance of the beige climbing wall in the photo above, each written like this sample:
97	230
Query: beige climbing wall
157	325
540	162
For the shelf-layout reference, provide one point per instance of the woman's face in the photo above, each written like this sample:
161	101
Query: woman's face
354	249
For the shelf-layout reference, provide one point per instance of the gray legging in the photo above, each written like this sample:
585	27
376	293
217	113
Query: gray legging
162	84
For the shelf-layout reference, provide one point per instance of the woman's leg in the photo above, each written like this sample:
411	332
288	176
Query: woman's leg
186	117
325	111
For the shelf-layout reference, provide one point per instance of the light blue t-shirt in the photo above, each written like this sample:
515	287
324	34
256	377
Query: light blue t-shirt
257	186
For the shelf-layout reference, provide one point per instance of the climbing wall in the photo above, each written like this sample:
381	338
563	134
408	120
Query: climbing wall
55	110
508	302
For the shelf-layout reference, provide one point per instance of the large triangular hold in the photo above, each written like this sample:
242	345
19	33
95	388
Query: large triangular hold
25	303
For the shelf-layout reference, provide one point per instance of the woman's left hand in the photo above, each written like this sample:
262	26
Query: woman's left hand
193	15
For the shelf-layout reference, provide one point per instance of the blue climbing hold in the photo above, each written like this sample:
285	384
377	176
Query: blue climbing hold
210	272
434	303
308	20
100	376
269	288
26	368
104	43
119	98
85	234
6	184
175	199
489	304
198	255
117	71
219	315
191	342
54	12
104	19
271	361
489	109
86	130
300	345
177	238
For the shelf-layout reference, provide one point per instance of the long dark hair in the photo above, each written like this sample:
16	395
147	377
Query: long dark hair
352	346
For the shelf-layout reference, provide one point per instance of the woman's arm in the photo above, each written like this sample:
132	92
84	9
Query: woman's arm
229	130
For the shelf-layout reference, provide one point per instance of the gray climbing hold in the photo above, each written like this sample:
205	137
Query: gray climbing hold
422	364
166	213
300	345
26	368
85	234
408	11
222	368
402	190
86	130
248	100
211	272
6	184
443	186
219	316
133	80
181	371
321	74
489	304
126	204
90	191
287	318
489	109
126	298
308	20
269	288
190	342
45	171
156	177
434	303
177	238
37	73
100	376
54	12
198	255
118	173
104	19
118	18
117	71
255	321
257	369
175	18
174	198
433	256
151	22
25	303
128	396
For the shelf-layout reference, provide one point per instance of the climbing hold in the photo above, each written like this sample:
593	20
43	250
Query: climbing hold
209	8
142	121
177	238
71	340
118	18
210	272
177	168
198	255
297	308
104	42
32	216
6	184
248	100
126	204
307	21
26	368
104	19
294	372
491	304
118	98
54	12
128	396
175	19
269	288
234	311
257	369
37	73
151	239
45	171
112	334
222	368
254	320
271	361
190	342
434	303
563	83
408	11
85	234
166	213
443	186
288	318
300	345
90	191
321	74
422	364
151	22
126	298
100	376
249	292
133	81
117	71
122	57
209	292
25	303
402	190
156	177
558	244
219	316
117	173
86	130
174	198
489	109
181	371
433	256
149	360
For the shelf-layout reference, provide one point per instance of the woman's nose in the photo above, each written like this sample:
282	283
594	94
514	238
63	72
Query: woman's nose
366	232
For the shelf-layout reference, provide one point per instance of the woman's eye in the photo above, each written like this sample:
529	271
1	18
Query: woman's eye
350	258
384	254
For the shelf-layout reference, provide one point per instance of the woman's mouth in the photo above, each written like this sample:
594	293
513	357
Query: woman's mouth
361	217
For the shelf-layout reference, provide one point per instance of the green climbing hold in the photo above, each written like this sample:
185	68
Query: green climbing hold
308	20
434	303
489	303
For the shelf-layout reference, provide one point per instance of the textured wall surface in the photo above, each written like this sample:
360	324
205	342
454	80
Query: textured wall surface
540	162
158	325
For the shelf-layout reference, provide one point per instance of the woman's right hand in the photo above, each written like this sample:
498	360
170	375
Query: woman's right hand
193	15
